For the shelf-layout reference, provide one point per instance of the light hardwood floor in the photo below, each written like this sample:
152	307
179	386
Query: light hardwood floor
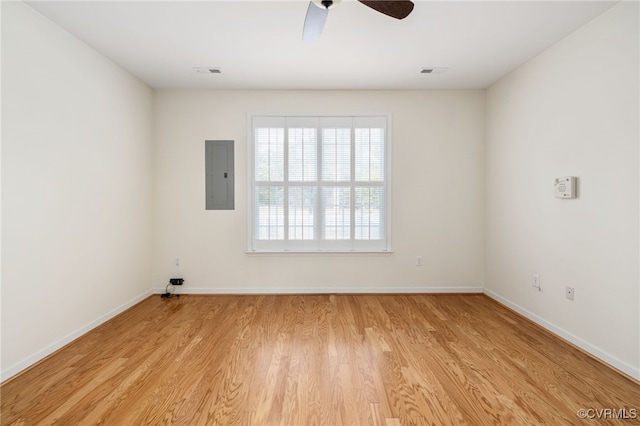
318	359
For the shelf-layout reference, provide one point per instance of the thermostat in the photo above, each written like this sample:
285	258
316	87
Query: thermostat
565	187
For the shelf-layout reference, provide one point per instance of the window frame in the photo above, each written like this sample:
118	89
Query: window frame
318	245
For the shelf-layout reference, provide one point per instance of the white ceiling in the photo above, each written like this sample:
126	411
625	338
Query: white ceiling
258	44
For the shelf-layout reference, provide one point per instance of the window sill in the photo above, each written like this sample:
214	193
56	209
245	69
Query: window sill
319	252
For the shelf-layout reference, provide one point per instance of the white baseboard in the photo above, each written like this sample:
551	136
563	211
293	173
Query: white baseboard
582	344
41	354
322	290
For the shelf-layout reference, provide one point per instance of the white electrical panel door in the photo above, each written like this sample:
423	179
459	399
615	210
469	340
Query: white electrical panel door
565	187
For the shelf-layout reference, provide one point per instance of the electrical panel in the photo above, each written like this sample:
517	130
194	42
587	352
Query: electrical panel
219	171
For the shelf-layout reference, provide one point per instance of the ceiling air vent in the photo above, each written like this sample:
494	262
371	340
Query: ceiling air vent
207	70
434	70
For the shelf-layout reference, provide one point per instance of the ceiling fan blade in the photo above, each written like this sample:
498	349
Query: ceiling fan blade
398	9
314	22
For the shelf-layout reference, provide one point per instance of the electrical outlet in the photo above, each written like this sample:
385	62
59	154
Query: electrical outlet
419	261
535	281
569	293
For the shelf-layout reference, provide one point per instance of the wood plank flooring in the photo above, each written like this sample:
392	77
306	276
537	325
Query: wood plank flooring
318	360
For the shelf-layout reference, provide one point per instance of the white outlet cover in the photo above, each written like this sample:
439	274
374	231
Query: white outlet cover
570	293
535	280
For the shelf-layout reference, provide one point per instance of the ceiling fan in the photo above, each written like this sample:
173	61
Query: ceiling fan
319	10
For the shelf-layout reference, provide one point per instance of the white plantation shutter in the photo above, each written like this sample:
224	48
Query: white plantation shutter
370	154
303	154
319	183
269	161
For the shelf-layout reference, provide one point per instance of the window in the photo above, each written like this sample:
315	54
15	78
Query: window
319	183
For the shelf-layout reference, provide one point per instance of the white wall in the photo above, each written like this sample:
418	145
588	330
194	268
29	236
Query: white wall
76	187
573	110
437	185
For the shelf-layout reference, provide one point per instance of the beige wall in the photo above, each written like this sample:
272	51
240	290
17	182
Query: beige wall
76	187
437	192
573	110
88	226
